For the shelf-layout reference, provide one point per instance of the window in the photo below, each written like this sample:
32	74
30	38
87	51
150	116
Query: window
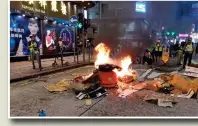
104	8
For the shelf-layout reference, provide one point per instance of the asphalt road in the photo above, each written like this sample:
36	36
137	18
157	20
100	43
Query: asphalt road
27	97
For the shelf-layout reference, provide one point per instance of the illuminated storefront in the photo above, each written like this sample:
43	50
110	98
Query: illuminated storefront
47	20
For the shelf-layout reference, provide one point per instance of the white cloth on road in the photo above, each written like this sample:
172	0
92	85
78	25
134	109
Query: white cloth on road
154	75
126	92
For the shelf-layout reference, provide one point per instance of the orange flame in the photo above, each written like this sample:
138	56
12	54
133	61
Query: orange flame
125	63
103	54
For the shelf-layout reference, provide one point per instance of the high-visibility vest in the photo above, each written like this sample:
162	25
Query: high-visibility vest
34	47
189	48
158	48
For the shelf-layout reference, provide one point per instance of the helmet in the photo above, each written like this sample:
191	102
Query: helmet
158	41
189	38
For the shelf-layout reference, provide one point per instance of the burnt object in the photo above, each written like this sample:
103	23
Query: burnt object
78	79
126	79
108	67
93	78
108	79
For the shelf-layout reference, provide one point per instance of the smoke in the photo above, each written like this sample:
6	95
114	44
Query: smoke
119	36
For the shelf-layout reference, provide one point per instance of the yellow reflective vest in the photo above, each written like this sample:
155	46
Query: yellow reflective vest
158	48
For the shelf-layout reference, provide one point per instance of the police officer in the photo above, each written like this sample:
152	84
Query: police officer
189	50
179	54
34	51
158	51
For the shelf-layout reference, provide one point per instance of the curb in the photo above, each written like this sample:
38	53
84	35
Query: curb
49	72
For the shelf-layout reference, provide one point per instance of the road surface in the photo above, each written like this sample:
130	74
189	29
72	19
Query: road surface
27	97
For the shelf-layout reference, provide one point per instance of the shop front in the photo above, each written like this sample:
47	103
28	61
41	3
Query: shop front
47	20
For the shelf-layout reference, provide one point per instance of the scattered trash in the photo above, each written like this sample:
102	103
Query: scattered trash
154	85
88	101
78	79
154	75
140	86
94	91
42	113
191	71
164	90
146	73
126	92
176	92
58	87
164	103
188	95
184	83
161	99
128	78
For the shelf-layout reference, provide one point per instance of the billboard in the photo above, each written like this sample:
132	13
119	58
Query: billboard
140	7
21	27
52	32
20	30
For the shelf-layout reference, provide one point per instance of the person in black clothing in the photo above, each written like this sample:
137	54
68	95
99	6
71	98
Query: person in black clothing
176	46
147	58
153	55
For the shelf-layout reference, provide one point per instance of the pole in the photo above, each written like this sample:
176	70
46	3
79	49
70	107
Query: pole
74	44
83	39
89	50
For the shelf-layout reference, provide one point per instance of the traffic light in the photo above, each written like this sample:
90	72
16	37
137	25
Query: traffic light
80	22
173	33
168	33
79	25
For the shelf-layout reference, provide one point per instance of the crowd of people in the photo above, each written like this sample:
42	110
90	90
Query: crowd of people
184	52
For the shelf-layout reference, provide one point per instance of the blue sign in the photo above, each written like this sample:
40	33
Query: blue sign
141	7
73	19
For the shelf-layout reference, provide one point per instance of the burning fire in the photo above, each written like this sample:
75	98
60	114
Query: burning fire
103	57
125	63
103	54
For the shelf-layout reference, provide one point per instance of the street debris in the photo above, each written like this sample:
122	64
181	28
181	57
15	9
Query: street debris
107	75
187	95
191	71
183	83
58	87
154	75
42	113
161	99
126	92
88	101
94	91
142	78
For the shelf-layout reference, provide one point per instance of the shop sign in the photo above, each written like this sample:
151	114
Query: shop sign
25	7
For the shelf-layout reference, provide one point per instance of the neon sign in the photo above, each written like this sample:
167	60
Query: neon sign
141	7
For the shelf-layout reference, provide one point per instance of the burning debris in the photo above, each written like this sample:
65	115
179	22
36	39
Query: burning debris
109	73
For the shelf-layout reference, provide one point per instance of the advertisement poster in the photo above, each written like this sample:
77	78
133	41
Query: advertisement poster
20	30
50	40
67	35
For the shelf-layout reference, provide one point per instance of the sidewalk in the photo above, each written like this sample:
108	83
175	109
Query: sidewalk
23	70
